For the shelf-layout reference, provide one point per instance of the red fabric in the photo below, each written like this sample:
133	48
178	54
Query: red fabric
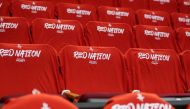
155	37
143	100
32	9
14	30
156	18
98	3
41	101
27	67
188	107
180	20
184	6
117	15
57	33
109	34
92	69
185	58
59	1
4	7
155	71
163	5
183	38
134	4
80	12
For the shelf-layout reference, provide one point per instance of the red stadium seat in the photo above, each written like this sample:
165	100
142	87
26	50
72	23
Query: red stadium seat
185	58
134	4
135	100
26	67
4	7
163	5
59	1
83	13
57	33
32	9
110	35
180	20
155	71
92	70
41	101
184	6
117	15
155	37
156	18
183	38
14	30
98	3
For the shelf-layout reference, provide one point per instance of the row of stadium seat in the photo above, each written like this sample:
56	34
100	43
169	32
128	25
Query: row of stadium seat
45	101
85	13
59	33
163	5
91	70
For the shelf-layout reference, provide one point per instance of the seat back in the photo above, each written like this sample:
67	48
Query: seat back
117	15
184	6
109	34
26	67
134	4
57	33
80	12
163	5
156	18
137	100
183	38
156	37
185	59
4	7
32	9
150	70
92	69
41	101
98	3
14	30
180	20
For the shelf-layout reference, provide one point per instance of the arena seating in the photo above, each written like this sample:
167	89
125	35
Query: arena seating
93	70
134	4
155	37
117	15
180	20
137	99
27	67
14	30
156	18
32	9
57	33
88	41
163	5
4	7
183	38
150	71
110	35
83	13
39	101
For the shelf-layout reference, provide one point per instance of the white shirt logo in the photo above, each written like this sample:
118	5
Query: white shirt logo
1	5
45	106
187	33
140	97
186	3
